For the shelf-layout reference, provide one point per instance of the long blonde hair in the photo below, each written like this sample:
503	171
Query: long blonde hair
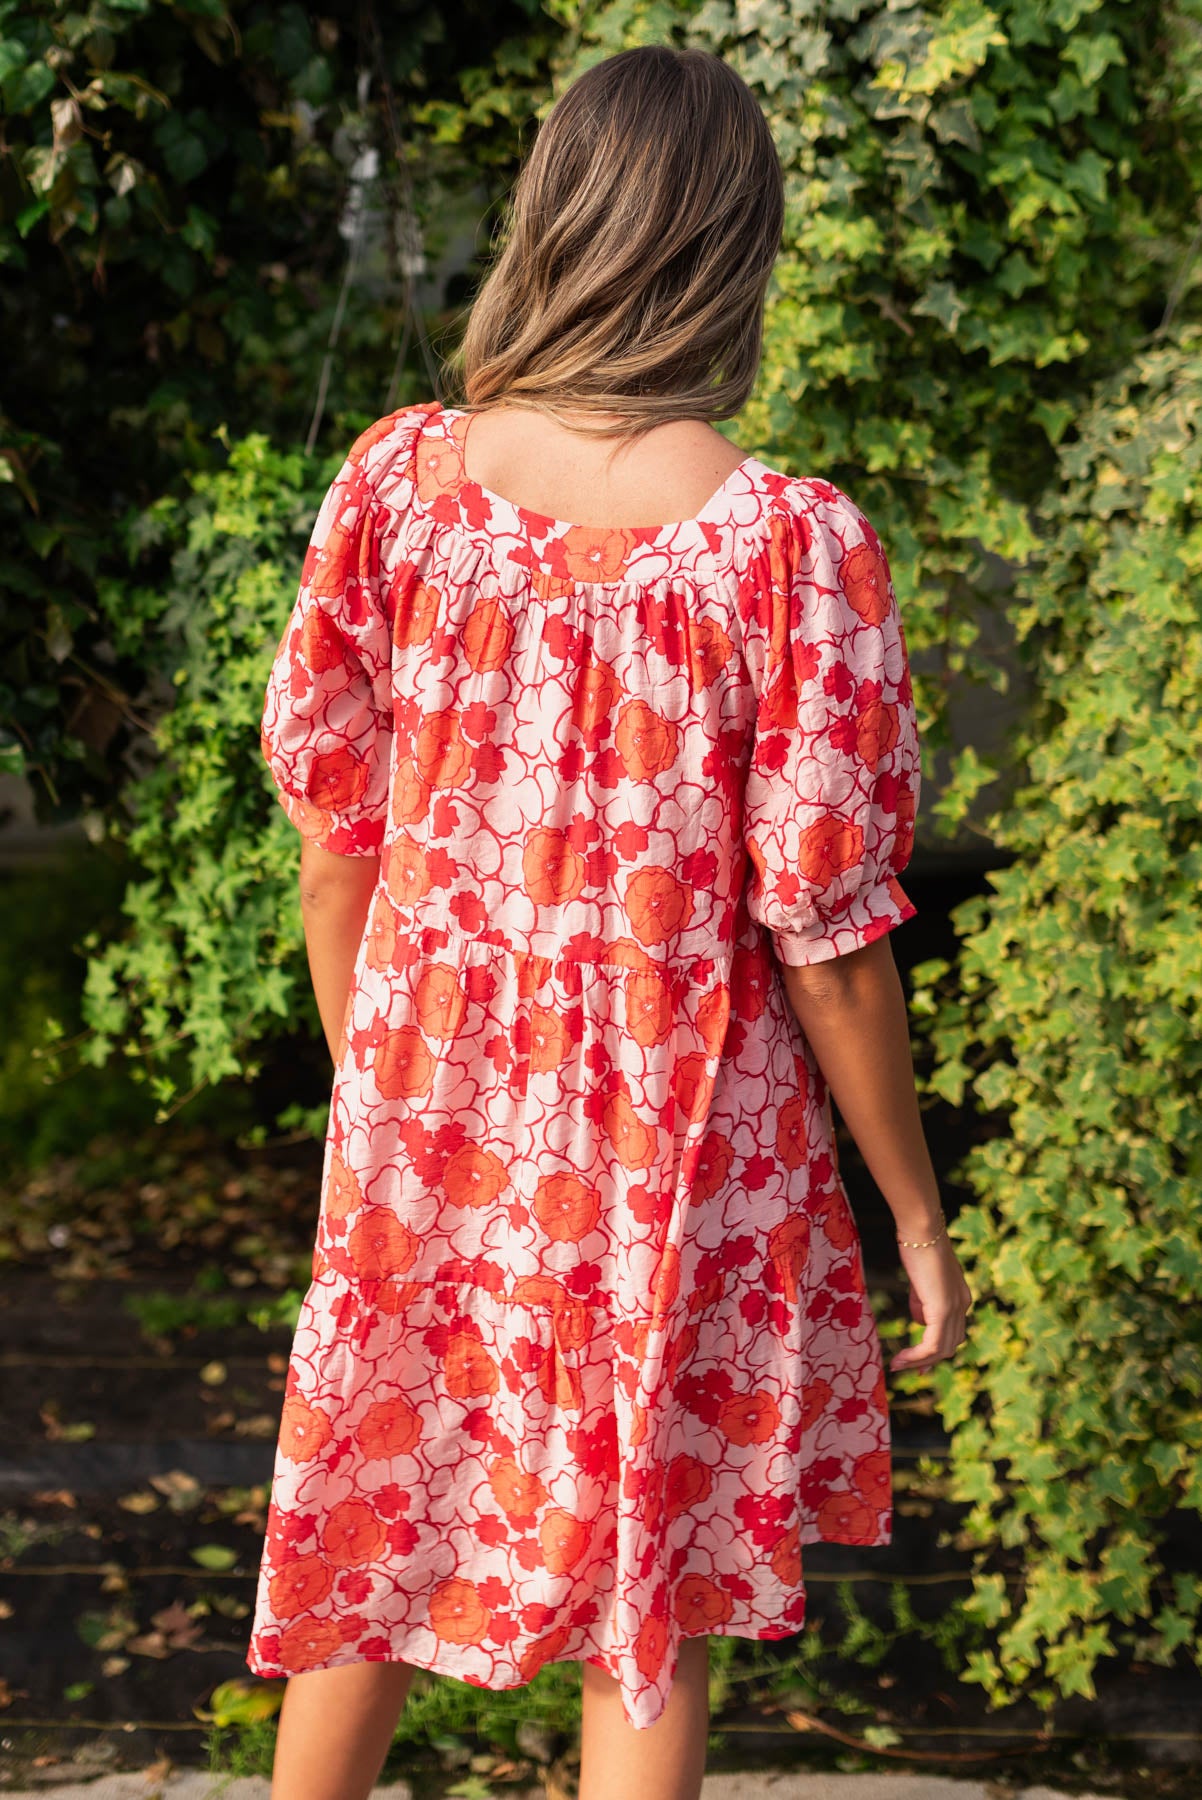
644	227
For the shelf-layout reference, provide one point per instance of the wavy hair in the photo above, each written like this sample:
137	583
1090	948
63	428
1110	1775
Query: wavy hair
644	227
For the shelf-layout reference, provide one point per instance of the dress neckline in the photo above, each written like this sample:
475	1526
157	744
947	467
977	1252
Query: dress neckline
451	417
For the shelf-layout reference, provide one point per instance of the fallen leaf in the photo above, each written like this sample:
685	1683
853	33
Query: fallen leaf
213	1374
138	1502
214	1556
243	1702
54	1497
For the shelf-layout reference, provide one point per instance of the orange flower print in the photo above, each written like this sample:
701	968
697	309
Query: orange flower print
834	1217
300	1585
871	1474
566	1207
844	1518
345	552
592	553
457	1613
514	1491
390	1427
792	1137
343	1194
564	1540
550	1040
473	1176
308	1643
694	1085
646	743
865	581
713	1016
689	1482
409	805
487	636
439	467
829	847
322	646
815	1398
544	1650
408	875
877	730
749	1418
381	1245
439	1000
469	1369
416	612
713	1166
553	871
651	1647
381	937
666	1288
352	1534
440	752
789	1243
597	693
659	906
304	1430
700	1605
404	1064
338	780
635	1143
649	1011
710	651
785	1561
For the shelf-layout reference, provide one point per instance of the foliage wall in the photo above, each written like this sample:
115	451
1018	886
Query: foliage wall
183	190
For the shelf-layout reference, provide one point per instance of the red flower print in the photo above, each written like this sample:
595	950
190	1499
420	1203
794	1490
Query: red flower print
440	1001
515	1492
689	1481
649	1012
635	1143
828	848
564	1540
846	1519
487	636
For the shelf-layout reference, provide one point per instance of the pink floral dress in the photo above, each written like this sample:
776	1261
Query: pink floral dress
587	1355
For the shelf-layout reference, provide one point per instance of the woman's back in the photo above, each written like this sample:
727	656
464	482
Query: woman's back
581	1180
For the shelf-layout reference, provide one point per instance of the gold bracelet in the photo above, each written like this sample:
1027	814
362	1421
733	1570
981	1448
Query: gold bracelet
922	1243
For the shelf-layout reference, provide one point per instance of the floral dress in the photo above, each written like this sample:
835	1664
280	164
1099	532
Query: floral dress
587	1355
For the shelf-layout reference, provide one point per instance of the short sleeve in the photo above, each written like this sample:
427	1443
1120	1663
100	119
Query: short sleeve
834	775
327	719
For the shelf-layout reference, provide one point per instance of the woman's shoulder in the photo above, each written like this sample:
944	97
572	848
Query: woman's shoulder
392	440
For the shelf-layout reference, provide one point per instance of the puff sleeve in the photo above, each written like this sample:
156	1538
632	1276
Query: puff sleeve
834	775
327	718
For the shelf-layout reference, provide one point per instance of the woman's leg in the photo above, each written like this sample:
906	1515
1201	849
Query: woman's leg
335	1729
666	1761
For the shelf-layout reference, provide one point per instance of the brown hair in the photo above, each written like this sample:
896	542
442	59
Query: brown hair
644	227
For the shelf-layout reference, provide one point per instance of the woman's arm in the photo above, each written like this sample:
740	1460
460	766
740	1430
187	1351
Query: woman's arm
335	893
853	1011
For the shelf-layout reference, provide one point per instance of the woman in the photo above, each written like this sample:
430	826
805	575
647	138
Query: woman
600	738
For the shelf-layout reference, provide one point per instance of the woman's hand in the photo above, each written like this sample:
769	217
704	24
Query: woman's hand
939	1301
